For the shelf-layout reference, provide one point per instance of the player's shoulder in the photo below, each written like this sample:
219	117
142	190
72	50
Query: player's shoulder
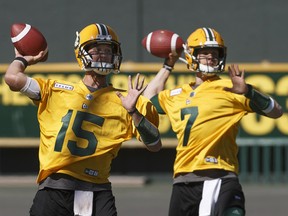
179	89
53	81
61	85
223	82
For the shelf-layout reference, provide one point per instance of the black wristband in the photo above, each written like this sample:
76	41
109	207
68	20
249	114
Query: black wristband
263	102
22	60
167	67
250	92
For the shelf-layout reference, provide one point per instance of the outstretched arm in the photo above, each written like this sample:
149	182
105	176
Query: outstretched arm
149	133
157	84
263	102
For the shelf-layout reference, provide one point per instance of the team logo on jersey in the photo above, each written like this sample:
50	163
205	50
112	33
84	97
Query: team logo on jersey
89	97
63	86
84	106
175	91
188	101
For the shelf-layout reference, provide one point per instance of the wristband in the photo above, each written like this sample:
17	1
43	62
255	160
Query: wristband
167	67
263	102
148	132
22	60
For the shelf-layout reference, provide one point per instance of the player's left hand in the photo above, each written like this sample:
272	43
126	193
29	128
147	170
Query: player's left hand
134	91
237	78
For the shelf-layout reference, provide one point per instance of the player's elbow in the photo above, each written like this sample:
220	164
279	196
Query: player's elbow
12	81
276	112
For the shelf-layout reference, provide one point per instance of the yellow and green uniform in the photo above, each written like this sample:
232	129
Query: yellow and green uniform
205	121
81	132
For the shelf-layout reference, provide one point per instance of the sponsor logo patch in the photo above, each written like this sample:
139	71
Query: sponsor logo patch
63	86
211	160
91	172
175	91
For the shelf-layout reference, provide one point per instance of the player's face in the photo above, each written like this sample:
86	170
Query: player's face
208	56
101	53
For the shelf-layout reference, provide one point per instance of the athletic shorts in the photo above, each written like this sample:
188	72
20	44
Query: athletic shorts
55	202
186	198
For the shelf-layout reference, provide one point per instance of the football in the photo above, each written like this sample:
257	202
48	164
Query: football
28	40
162	42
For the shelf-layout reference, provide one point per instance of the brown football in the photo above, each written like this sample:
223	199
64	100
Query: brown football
28	40
162	42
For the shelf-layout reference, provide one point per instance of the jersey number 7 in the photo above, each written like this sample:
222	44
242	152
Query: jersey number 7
193	113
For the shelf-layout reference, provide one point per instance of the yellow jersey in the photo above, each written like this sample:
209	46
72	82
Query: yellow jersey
205	121
82	131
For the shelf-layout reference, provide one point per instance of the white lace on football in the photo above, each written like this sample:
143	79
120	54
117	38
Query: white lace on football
22	34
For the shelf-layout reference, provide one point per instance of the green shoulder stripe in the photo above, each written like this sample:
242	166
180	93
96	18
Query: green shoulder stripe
156	103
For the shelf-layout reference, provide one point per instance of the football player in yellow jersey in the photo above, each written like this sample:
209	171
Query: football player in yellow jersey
82	126
205	115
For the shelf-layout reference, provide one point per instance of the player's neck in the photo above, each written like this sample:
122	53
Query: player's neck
200	78
95	80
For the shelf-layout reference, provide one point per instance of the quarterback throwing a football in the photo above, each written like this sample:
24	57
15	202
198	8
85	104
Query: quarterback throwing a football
205	116
82	125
